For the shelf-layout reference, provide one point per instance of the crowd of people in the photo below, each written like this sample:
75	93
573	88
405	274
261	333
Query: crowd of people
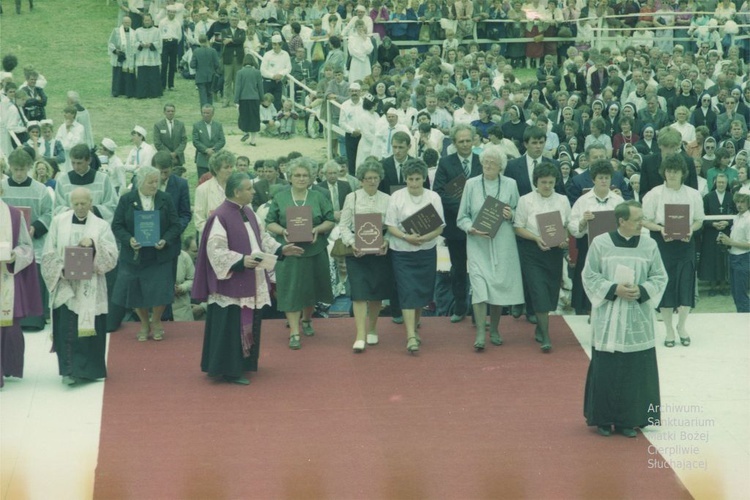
631	128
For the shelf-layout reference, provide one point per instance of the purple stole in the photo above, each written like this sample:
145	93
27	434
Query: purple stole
28	297
240	284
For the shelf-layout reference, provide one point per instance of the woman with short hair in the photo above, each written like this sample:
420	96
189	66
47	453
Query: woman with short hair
541	265
302	281
145	275
678	255
414	256
493	263
371	274
211	193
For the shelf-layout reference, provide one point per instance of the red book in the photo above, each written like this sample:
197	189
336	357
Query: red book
368	233
551	228
455	188
490	216
299	224
424	221
603	222
79	263
677	221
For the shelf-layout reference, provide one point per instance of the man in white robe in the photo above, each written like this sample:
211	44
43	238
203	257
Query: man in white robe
102	192
624	277
79	307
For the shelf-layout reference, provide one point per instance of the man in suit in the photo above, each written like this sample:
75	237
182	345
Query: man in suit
724	120
175	186
333	188
232	56
170	136
583	180
669	142
206	64
270	177
522	171
462	164
208	138
400	143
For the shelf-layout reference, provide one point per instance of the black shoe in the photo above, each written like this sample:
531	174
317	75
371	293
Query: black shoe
531	318
245	137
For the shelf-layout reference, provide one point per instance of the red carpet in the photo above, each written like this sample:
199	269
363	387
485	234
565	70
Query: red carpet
325	423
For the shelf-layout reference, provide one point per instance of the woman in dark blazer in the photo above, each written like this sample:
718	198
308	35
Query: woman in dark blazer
248	91
145	277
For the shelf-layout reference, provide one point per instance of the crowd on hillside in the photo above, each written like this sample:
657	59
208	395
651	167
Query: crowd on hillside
612	116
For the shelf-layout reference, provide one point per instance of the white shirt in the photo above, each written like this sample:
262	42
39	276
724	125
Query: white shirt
589	202
532	204
654	201
170	29
401	206
741	232
530	167
349	115
275	64
139	156
463	116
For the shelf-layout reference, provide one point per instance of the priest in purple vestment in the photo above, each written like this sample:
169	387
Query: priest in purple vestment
19	288
231	274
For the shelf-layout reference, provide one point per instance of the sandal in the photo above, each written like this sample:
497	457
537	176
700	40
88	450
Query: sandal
294	342
307	328
359	346
495	338
685	341
412	345
158	333
143	334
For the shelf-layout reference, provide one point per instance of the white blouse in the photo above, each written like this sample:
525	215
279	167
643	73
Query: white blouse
403	205
365	204
531	204
654	201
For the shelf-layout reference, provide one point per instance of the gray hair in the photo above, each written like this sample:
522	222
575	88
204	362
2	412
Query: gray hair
219	159
308	164
494	153
234	182
144	173
331	164
460	128
73	95
370	166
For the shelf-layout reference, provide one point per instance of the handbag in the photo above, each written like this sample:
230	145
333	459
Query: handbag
339	248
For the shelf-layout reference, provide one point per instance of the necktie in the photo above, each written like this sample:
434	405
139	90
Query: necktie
390	133
47	151
533	167
335	198
208	130
138	157
467	169
169	128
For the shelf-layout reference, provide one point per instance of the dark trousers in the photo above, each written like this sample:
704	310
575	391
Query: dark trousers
18	6
275	88
457	250
205	93
201	171
351	143
739	280
168	63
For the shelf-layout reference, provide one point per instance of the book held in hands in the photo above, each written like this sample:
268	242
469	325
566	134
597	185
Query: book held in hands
424	221
551	228
490	216
603	222
147	227
368	233
79	263
455	188
299	224
676	220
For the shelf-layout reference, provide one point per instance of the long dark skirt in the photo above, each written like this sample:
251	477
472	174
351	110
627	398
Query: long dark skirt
222	345
578	298
123	82
622	389
542	273
679	262
414	273
370	277
80	357
142	286
12	347
249	119
148	82
713	263
38	322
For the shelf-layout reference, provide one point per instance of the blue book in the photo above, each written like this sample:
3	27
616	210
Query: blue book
147	227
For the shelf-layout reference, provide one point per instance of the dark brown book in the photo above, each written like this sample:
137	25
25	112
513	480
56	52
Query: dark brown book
490	216
603	222
79	263
299	224
423	221
677	220
551	228
396	187
368	232
26	215
455	188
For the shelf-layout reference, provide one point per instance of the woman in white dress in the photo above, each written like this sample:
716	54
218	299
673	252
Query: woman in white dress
493	263
367	125
360	48
210	194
